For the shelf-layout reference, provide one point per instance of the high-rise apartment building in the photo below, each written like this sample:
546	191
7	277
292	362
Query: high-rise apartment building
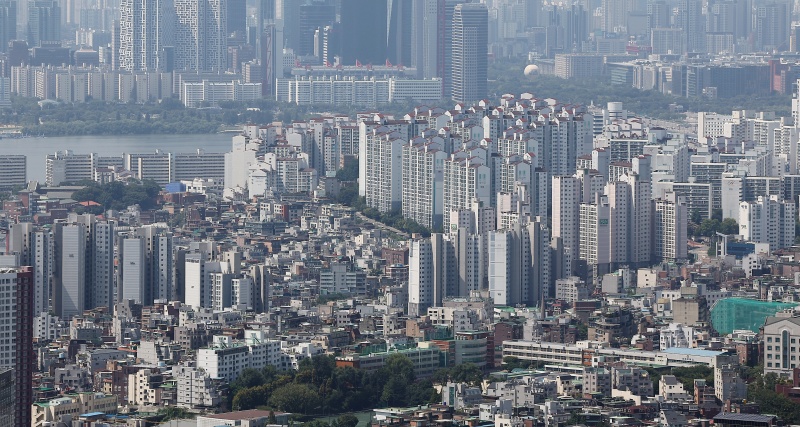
35	249
423	162
44	22
16	337
432	40
384	169
670	219
519	264
691	19
84	265
201	35
467	179
66	166
145	271
13	171
428	261
146	28
470	52
768	220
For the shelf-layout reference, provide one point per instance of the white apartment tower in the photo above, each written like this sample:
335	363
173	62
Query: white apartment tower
519	264
13	171
201	35
768	220
145	271
423	163
383	169
670	219
146	28
639	219
66	166
35	249
466	179
84	265
427	273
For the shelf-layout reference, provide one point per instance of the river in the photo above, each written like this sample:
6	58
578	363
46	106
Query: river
37	149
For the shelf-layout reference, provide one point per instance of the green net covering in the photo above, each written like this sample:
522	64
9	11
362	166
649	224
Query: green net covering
731	314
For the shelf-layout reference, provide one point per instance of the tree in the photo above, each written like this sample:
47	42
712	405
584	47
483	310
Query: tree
395	392
399	365
349	172
729	226
466	373
248	378
250	398
513	362
708	227
347	420
696	216
174	413
296	398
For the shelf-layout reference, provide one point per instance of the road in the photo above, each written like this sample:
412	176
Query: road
381	225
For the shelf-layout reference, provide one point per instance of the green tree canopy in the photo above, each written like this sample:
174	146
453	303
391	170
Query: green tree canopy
295	398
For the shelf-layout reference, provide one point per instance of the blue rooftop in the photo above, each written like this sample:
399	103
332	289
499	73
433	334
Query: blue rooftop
692	351
93	414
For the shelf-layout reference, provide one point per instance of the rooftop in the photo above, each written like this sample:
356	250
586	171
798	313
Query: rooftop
242	415
692	352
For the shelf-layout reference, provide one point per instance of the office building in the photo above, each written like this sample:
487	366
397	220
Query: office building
317	14
398	46
363	31
44	22
236	14
578	65
8	23
667	41
145	30
470	52
780	356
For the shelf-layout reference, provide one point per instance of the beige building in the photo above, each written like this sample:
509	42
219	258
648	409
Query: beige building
781	347
51	411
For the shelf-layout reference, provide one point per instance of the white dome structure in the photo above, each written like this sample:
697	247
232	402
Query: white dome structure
531	70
